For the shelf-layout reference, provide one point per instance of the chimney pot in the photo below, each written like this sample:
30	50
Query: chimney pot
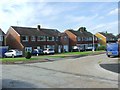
38	27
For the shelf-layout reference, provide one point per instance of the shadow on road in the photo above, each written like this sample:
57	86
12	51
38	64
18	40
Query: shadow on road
8	84
111	67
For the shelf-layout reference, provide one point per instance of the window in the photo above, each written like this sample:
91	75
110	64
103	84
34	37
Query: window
90	45
84	39
1	38
41	38
90	39
65	38
32	38
51	46
57	38
28	49
25	38
50	38
44	46
79	39
65	48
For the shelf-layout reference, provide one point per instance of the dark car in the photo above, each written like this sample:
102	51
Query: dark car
37	52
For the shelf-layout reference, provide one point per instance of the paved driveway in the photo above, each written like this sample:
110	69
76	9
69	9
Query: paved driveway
84	72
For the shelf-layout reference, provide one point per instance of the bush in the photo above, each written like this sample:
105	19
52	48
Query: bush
102	47
28	55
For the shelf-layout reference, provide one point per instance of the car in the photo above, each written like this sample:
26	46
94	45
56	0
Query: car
48	51
37	52
13	53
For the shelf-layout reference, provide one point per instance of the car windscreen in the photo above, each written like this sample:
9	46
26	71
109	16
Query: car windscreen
112	47
50	49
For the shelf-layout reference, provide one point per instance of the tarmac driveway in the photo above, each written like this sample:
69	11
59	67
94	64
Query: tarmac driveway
84	72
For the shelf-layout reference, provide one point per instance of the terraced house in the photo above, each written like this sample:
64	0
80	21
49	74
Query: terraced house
81	39
2	38
27	38
118	38
105	37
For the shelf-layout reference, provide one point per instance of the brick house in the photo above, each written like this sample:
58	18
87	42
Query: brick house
105	38
81	39
118	38
64	39
27	38
3	47
2	38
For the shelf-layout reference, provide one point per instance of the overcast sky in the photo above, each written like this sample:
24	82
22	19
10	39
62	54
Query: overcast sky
95	16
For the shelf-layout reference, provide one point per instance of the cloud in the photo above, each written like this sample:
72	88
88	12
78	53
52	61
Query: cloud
60	15
111	27
113	12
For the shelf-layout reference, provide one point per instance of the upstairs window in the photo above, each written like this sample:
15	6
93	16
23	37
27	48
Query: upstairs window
79	39
41	38
65	38
24	38
1	38
32	38
85	39
57	38
50	38
90	39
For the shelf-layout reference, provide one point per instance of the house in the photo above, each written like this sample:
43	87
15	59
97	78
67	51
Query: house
2	38
81	39
105	38
27	38
64	39
118	38
3	47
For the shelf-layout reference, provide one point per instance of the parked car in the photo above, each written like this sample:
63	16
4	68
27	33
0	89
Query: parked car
37	52
13	53
112	49
48	51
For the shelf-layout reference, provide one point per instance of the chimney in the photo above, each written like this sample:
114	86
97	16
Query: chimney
38	27
82	29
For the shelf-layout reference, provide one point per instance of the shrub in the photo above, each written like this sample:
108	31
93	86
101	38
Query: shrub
102	47
28	55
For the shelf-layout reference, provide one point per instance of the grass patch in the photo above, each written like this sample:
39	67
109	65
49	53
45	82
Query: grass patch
78	53
16	59
41	57
100	61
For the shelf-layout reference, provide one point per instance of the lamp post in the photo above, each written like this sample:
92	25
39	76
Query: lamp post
93	44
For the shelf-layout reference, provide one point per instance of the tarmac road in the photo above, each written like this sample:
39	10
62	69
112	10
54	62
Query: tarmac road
84	72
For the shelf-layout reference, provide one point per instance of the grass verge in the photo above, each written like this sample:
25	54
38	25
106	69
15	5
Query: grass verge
45	57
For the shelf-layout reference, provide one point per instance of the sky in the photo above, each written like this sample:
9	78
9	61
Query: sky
95	16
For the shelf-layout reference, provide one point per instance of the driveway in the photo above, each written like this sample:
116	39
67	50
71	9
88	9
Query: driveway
84	72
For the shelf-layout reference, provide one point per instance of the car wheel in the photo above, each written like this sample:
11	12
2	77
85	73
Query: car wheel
108	55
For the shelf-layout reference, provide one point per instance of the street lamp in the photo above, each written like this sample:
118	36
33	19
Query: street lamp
93	44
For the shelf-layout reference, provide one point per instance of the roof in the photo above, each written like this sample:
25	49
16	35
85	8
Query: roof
81	34
108	35
63	34
1	32
118	36
34	32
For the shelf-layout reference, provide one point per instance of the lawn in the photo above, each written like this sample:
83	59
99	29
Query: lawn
78	53
41	57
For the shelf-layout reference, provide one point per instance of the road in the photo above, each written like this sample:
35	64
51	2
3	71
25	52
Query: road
84	72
